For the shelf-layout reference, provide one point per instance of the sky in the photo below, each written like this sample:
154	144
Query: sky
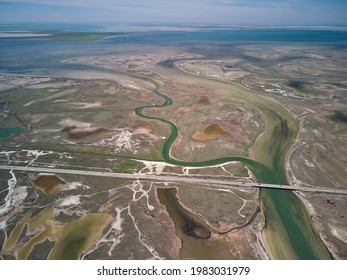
240	12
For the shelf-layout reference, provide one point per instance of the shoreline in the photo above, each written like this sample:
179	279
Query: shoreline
310	209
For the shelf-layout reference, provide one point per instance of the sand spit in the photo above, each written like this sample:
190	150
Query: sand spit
131	62
22	34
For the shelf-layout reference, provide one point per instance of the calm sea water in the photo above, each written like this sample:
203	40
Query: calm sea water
244	35
26	54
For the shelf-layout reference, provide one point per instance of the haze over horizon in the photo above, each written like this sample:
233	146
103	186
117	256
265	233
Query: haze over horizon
238	12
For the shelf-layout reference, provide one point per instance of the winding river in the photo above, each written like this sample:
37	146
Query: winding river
288	233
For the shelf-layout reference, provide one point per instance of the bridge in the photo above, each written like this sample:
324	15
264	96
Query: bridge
174	179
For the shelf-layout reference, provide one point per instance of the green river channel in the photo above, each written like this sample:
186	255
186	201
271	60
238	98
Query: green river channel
288	233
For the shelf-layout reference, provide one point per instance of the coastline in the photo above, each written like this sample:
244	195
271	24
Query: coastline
317	225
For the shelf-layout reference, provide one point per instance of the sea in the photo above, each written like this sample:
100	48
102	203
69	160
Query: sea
25	55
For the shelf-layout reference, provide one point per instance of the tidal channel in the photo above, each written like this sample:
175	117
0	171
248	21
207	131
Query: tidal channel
288	233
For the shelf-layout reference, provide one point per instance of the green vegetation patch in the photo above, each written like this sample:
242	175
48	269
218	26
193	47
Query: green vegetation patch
71	238
78	236
126	167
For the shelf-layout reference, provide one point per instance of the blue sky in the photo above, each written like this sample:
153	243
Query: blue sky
244	12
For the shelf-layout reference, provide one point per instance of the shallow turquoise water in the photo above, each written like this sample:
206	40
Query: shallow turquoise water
10	131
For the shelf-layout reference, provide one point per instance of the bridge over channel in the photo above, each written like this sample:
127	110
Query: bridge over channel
174	179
